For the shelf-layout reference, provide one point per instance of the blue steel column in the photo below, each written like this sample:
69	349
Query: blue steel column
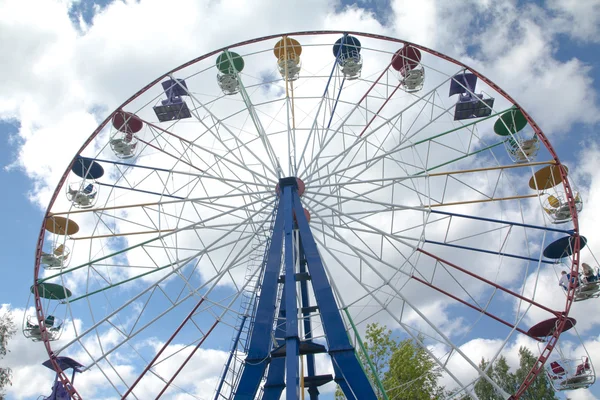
231	355
305	301
292	372
262	328
340	348
276	374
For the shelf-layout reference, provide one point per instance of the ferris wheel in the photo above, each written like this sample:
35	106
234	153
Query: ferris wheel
272	198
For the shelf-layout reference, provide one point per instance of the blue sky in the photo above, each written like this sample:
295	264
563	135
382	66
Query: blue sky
574	140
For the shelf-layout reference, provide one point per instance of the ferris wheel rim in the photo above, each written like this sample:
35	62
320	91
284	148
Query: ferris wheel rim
565	182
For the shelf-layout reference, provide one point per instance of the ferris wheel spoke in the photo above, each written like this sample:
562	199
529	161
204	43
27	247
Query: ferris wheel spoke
487	281
388	154
343	122
480	250
361	197
213	282
276	168
161	237
241	238
258	125
203	175
399	295
378	147
177	264
151	230
339	170
369	196
476	308
395	317
190	315
314	127
361	139
361	255
102	217
218	157
363	223
214	128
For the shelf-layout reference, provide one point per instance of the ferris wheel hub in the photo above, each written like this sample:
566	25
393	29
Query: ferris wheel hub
291	181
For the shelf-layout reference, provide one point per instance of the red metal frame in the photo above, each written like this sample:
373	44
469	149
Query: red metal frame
186	360
164	347
568	191
499	287
474	307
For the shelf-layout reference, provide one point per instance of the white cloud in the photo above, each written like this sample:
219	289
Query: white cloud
578	19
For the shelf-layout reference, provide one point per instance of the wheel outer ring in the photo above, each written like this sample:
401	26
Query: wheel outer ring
552	341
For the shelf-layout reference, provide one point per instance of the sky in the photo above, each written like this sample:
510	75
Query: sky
72	62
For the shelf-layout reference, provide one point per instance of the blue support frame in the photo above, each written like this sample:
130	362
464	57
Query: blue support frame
292	342
262	328
348	371
305	301
276	375
340	348
231	355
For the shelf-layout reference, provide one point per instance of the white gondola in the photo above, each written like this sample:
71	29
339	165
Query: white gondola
407	62
32	330
556	206
228	83
589	286
57	258
55	253
347	53
290	68
123	140
548	182
83	194
413	78
83	189
229	65
350	65
570	374
522	144
585	291
51	297
123	144
288	52
522	149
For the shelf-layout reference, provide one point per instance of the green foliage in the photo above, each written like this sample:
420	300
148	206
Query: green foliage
412	374
500	373
404	368
510	381
7	329
540	388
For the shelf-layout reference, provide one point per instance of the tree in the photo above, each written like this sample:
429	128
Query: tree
540	388
412	374
500	373
403	367
7	329
484	389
